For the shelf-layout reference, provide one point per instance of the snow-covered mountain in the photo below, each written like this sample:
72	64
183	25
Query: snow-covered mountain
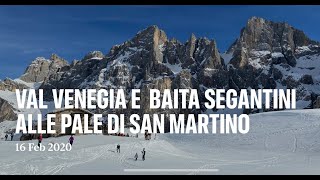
275	55
266	55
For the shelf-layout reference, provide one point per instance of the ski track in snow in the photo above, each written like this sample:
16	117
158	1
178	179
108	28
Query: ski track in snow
295	144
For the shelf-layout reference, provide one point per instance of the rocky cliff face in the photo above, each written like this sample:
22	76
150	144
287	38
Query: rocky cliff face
6	111
274	55
42	68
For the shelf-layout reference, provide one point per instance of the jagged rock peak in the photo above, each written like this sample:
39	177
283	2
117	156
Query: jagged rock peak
41	68
259	31
94	55
57	62
263	48
39	59
192	37
152	33
149	29
55	57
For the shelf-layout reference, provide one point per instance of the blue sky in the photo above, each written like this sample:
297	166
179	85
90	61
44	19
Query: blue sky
71	31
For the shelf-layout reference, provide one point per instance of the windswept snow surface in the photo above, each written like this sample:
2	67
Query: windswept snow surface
283	142
176	68
33	85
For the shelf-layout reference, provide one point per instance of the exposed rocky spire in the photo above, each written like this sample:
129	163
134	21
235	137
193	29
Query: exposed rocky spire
94	55
42	68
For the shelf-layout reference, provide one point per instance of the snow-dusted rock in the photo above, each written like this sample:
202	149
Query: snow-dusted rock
42	68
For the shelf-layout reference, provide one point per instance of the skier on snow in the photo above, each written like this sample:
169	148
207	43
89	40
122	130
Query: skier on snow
71	139
118	148
136	156
6	136
11	136
39	139
143	154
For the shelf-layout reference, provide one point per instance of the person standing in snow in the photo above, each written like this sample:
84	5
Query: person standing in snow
11	136
143	154
71	139
146	135
136	156
6	136
118	148
39	139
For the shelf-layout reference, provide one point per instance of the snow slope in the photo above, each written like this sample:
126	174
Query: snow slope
283	142
33	85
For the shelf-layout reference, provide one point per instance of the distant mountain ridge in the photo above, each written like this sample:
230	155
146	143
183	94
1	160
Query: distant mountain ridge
266	55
